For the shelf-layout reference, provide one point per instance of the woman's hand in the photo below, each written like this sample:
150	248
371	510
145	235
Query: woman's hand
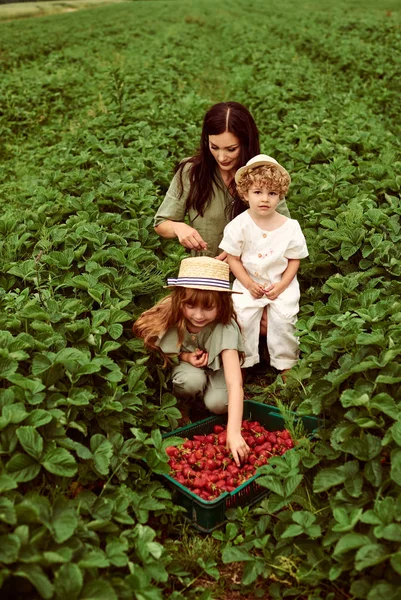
198	358
222	256
238	446
189	237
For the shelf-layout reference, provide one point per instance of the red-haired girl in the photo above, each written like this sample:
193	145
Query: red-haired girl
197	323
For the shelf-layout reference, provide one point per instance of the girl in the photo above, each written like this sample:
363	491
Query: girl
264	251
203	188
197	324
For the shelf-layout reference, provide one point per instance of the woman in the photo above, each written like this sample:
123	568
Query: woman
203	188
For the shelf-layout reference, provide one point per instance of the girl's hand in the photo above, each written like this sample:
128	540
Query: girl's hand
274	290
189	237
238	446
198	358
256	289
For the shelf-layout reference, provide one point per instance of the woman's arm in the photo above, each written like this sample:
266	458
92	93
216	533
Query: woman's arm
186	235
233	377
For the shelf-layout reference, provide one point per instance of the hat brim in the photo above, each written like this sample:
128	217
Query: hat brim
259	163
197	287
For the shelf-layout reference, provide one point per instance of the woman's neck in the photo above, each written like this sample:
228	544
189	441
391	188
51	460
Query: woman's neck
227	177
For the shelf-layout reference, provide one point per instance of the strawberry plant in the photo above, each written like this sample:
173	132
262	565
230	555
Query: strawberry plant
97	109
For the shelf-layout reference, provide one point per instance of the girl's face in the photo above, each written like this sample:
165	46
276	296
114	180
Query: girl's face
262	200
225	149
197	316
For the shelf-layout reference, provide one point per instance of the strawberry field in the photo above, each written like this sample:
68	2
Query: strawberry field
96	109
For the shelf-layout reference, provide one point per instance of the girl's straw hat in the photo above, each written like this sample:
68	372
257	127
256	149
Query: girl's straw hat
203	273
258	161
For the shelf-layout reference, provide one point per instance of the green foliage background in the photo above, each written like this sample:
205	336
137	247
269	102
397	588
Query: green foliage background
97	108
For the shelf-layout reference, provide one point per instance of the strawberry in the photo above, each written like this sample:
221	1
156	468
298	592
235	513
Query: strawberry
218	429
222	438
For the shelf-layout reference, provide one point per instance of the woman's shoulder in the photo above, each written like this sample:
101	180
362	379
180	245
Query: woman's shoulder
185	165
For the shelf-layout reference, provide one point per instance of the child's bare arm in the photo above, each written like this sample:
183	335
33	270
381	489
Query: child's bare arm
233	377
238	269
274	290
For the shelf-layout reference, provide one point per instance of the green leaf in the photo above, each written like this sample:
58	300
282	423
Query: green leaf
68	582
98	590
272	483
22	467
369	555
364	448
59	462
291	483
396	432
7	483
292	531
116	552
9	548
235	554
395	562
383	589
395	471
328	478
38	417
102	451
115	331
30	440
385	403
350	541
253	569
7	512
36	576
64	521
353	398
94	558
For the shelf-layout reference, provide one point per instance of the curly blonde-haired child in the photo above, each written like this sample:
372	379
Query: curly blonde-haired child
197	324
264	250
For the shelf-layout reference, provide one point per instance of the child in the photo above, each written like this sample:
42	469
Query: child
197	323
264	251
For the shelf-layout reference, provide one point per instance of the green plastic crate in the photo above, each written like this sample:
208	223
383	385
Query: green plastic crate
207	516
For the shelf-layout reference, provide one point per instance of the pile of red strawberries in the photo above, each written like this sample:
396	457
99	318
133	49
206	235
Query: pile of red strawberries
205	465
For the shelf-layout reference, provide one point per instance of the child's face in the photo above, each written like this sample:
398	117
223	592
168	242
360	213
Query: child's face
262	199
198	317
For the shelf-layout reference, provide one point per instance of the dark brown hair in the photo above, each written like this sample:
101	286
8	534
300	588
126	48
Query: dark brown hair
225	116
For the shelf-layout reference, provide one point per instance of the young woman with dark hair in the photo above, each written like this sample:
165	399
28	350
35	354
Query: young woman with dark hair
203	189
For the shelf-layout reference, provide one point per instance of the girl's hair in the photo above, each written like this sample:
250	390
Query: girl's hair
225	116
264	175
169	313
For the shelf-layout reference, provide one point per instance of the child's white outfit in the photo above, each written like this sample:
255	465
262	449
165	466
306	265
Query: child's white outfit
265	254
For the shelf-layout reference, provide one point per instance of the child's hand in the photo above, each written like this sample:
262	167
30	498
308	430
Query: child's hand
274	290
238	447
256	289
198	358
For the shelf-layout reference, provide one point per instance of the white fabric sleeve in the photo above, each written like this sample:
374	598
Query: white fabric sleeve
297	245
233	239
